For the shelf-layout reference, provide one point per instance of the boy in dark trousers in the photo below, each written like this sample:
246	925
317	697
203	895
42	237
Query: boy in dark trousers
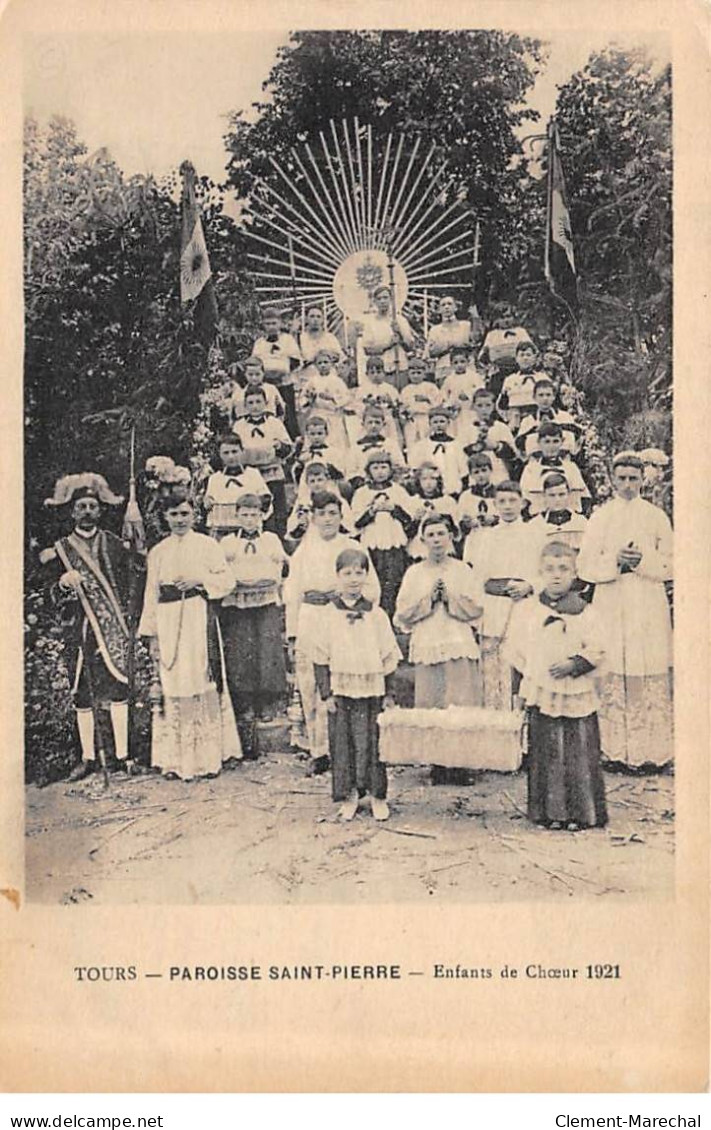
354	657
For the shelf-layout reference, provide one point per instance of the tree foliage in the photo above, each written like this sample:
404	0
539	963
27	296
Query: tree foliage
615	124
107	342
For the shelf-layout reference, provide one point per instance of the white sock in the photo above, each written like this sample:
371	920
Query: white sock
119	722
85	725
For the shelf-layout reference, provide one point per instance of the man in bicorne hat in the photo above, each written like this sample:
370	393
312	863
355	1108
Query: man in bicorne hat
90	588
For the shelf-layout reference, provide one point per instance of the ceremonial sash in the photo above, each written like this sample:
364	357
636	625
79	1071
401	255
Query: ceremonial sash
99	604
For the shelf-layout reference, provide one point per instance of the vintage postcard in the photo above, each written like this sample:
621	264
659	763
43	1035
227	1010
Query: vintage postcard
355	601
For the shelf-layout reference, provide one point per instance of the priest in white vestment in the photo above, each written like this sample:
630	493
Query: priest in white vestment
627	554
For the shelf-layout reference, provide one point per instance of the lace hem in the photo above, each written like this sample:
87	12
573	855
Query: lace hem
442	651
555	704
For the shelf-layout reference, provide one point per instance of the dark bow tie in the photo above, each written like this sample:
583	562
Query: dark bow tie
486	491
554	620
441	437
353	612
233	480
558	517
371	441
250	536
258	426
571	603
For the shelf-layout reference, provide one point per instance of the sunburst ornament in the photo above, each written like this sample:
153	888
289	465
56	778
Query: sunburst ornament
349	213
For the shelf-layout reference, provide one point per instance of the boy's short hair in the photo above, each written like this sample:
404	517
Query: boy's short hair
379	455
428	465
271	312
525	345
627	459
317	465
549	429
229	438
254	361
316	419
323	353
479	460
374	410
418	362
481	393
324	498
555	480
350	557
559	549
176	496
544	382
458	351
508	486
374	362
438	520
248	501
438	410
256	390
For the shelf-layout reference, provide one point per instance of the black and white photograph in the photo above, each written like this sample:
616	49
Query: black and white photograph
348	467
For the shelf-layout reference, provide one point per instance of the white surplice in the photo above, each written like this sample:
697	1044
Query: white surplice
196	730
636	713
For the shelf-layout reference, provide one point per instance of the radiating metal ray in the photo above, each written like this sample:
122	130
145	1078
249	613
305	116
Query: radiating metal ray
406	177
339	217
326	268
317	280
300	272
420	260
338	236
419	271
346	222
398	152
433	193
431	239
300	196
301	230
306	242
435	274
302	293
383	171
354	186
314	238
423	169
435	227
361	182
447	286
435	188
344	176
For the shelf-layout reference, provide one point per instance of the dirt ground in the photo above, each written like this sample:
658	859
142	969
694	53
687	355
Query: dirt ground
266	833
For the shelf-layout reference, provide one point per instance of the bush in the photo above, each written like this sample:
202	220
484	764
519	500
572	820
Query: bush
51	741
